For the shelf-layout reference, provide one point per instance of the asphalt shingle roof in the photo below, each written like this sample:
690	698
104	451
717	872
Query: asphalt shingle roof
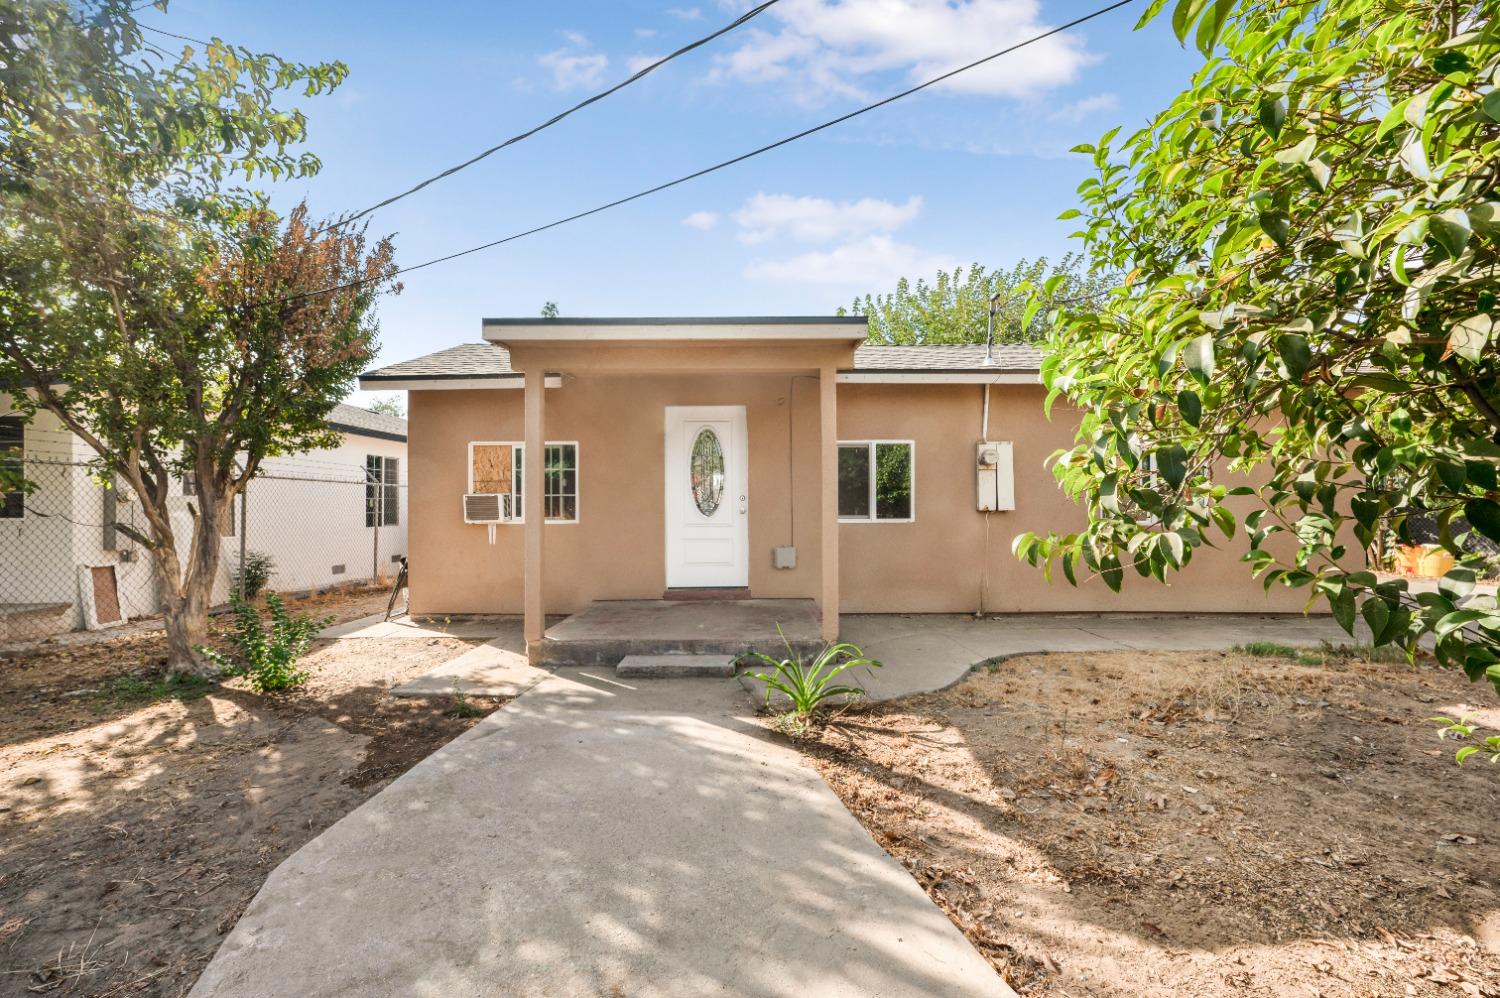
467	360
353	419
485	360
946	357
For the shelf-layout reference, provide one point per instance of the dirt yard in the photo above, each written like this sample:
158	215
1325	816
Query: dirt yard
1192	824
138	819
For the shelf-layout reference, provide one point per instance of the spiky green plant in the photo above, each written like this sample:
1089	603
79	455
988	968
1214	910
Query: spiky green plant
808	685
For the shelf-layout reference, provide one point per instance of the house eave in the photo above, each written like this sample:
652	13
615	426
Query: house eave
664	330
450	382
866	376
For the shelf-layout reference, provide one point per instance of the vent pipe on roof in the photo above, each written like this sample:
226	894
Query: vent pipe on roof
989	333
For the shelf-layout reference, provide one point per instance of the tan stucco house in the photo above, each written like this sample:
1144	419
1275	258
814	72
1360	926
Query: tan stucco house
781	457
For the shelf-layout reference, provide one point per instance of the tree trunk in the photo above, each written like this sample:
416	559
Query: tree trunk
187	629
188	592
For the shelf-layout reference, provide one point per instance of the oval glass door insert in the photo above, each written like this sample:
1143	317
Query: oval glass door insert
706	471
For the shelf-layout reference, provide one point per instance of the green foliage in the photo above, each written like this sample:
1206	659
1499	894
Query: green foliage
955	307
1266	649
268	658
462	706
1308	235
808	685
389	406
135	689
178	310
253	574
549	310
1475	743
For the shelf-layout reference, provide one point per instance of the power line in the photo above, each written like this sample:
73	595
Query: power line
737	22
717	166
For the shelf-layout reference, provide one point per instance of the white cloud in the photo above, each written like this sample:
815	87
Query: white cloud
1080	109
872	262
572	70
702	220
576	38
645	32
686	13
636	63
826	47
815	220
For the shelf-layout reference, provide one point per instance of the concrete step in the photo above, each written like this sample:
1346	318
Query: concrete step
675	666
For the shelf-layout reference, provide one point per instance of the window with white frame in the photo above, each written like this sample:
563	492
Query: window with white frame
382	490
496	466
12	467
875	481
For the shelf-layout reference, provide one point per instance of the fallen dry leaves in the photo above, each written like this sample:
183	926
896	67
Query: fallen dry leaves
1190	824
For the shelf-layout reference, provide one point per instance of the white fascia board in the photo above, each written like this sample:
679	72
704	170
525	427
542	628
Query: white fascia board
938	378
544	333
450	384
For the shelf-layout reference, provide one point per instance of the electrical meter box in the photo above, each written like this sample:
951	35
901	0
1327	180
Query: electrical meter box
995	476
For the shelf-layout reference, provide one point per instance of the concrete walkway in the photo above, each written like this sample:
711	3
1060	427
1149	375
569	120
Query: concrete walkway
923	652
599	838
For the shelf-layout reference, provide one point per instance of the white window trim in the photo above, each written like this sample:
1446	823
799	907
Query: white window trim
871	444
520	447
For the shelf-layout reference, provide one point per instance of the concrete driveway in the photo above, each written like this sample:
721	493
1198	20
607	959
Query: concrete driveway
599	838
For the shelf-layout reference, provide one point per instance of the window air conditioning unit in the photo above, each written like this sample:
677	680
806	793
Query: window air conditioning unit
487	507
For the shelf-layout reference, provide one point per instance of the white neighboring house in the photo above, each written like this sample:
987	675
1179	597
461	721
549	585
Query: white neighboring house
323	517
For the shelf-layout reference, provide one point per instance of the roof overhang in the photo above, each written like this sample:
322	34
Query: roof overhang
451	382
965	377
762	330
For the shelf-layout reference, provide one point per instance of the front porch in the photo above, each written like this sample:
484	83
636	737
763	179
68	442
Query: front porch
608	630
695	438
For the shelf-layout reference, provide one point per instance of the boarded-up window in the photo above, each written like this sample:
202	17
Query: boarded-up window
106	594
492	469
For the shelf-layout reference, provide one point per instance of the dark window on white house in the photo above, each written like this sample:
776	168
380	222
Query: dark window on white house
12	467
382	490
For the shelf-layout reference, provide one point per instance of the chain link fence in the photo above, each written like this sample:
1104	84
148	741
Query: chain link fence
68	560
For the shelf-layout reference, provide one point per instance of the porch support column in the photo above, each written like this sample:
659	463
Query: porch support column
828	465
531	507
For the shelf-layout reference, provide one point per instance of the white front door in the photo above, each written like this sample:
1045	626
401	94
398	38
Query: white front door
708	465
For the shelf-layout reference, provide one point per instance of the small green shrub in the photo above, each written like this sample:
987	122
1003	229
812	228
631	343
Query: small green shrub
1266	649
809	685
462	706
137	689
253	574
268	658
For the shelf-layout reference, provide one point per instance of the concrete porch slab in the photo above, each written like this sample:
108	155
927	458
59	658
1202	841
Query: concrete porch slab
609	630
678	666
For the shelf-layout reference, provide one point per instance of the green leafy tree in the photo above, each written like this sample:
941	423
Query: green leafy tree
389	406
954	308
1309	238
165	316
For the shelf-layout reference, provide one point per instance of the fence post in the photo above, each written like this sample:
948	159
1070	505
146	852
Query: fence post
379	499
244	534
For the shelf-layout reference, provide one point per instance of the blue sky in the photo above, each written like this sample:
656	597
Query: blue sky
975	171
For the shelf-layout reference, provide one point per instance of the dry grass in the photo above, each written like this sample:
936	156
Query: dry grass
136	826
1192	824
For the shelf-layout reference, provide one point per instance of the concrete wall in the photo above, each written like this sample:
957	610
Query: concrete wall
936	564
308	514
952	557
617	549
